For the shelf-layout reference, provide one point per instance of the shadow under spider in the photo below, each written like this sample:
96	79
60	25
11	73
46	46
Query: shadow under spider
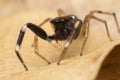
110	69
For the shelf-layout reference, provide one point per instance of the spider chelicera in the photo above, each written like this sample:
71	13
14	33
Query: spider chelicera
66	27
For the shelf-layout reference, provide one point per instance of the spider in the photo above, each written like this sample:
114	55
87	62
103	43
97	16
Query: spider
66	28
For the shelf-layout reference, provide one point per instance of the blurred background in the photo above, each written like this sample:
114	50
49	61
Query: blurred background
78	7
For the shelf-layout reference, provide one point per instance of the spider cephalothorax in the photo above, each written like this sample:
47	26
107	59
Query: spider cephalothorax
63	27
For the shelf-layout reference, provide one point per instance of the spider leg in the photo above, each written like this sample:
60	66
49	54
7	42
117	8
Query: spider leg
21	60
86	24
35	42
108	13
38	31
60	12
103	21
36	49
68	42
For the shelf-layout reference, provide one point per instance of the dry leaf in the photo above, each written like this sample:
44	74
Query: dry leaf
99	62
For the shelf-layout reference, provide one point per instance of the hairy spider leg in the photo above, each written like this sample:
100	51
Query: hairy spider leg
38	31
69	40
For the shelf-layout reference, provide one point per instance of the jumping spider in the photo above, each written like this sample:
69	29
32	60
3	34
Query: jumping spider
66	27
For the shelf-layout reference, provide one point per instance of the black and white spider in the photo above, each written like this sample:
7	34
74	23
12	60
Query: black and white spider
66	27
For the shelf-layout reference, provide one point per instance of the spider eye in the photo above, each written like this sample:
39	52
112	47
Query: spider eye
73	17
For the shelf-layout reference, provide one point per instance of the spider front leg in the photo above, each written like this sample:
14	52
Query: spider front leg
69	40
86	33
38	31
35	42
